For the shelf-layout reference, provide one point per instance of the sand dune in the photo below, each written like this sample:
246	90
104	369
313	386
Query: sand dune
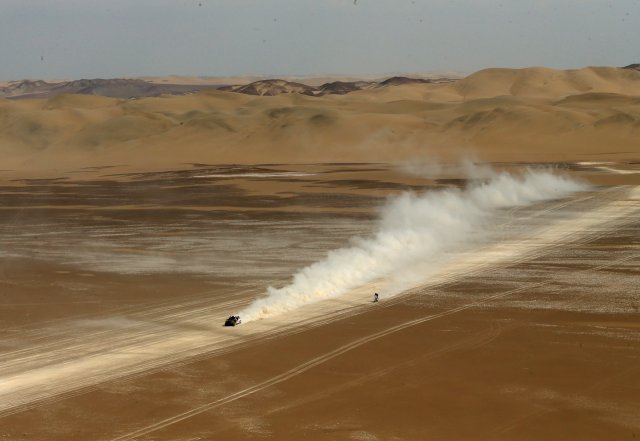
547	83
514	114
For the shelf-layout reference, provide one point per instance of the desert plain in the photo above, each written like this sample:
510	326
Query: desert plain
131	228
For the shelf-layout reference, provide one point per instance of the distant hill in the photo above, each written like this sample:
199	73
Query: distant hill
127	88
539	82
114	88
24	87
342	87
277	86
401	81
271	88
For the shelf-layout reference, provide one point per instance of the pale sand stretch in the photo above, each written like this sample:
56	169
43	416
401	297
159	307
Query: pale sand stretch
77	356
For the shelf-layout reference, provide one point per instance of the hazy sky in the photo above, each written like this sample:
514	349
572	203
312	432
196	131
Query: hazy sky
111	38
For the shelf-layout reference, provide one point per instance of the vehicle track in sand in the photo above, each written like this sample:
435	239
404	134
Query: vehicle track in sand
512	424
328	356
162	337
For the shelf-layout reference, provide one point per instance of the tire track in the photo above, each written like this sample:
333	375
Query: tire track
193	313
153	314
475	341
518	421
310	364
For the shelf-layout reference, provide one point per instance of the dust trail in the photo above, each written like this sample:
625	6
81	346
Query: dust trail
414	229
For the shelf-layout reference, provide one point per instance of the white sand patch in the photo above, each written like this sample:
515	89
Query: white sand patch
256	175
607	167
618	171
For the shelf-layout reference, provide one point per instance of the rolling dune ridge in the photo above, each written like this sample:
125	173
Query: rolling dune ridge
510	114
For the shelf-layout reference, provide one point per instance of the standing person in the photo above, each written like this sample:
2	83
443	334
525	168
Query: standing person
375	297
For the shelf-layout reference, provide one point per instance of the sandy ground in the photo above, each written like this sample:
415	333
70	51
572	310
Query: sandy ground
115	286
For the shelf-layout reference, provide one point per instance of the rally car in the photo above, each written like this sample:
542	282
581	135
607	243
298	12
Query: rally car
234	320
